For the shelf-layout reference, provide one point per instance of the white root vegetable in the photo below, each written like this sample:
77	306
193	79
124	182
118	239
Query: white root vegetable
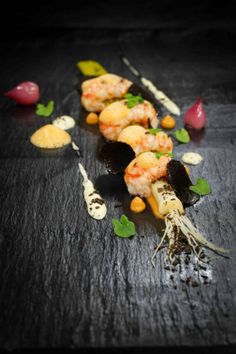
179	230
166	197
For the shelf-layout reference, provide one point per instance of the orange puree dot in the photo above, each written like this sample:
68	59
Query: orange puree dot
50	137
137	205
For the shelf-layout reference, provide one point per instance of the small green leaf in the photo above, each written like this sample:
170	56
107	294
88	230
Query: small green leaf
182	135
45	110
201	187
133	100
154	131
170	154
160	154
123	227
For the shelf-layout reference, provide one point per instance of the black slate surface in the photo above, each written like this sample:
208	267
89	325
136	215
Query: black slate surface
66	280
132	14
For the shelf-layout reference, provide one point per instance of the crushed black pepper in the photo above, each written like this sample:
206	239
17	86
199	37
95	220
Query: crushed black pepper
97	200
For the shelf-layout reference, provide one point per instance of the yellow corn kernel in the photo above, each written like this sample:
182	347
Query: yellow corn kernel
137	205
92	118
168	122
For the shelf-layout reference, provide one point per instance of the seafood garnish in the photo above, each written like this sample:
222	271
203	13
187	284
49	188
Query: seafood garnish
141	139
95	92
117	116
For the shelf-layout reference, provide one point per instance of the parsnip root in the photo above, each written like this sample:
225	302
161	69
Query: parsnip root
181	233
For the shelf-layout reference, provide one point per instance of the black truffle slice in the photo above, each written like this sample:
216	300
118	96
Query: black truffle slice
116	156
180	182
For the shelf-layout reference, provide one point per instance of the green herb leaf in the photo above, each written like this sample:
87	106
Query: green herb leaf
182	135
170	154
201	187
154	131
159	154
45	110
123	227
133	100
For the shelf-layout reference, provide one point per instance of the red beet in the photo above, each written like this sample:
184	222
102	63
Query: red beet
26	93
195	117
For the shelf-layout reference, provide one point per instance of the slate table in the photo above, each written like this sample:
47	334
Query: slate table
66	280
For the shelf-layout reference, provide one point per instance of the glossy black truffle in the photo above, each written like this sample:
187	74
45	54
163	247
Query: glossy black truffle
116	156
180	182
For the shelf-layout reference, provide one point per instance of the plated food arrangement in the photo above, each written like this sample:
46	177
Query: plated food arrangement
152	174
129	121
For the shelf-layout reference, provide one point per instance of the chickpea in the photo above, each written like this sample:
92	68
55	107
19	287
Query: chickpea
137	205
92	118
168	122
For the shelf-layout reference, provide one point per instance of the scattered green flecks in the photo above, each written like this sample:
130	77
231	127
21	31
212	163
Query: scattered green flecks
45	110
160	154
154	131
123	227
132	100
201	187
182	135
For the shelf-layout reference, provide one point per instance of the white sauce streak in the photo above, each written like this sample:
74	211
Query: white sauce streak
74	146
64	122
134	71
95	204
192	158
159	95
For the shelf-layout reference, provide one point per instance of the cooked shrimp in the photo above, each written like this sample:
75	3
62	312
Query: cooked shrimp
115	117
143	170
141	140
95	92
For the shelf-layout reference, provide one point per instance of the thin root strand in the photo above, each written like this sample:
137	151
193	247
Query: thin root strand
183	236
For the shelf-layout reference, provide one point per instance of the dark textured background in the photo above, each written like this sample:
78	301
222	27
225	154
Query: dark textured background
66	281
